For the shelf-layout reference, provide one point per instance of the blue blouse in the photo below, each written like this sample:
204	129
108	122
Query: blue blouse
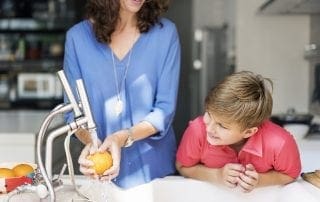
149	93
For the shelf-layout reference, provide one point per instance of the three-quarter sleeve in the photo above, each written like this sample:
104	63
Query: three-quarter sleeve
163	112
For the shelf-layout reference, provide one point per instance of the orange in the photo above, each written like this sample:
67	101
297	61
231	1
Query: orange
22	170
6	173
102	161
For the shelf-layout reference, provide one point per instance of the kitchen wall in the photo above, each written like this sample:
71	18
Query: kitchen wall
189	15
180	13
273	46
313	62
216	13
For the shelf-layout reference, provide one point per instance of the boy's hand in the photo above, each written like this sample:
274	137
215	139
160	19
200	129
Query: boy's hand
249	179
230	174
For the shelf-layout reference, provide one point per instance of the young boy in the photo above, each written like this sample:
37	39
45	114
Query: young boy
234	143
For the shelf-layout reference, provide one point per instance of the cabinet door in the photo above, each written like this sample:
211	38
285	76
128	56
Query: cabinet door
17	147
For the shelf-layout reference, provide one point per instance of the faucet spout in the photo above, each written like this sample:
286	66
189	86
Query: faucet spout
82	118
68	91
53	135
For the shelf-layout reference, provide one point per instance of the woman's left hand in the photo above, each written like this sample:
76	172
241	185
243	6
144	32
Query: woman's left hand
113	143
249	179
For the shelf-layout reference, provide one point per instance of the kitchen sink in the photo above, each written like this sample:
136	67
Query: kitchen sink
175	189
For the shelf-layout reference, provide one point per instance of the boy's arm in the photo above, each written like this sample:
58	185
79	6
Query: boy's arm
227	175
199	172
274	178
251	178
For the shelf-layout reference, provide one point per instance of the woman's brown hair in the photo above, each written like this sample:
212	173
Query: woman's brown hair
105	14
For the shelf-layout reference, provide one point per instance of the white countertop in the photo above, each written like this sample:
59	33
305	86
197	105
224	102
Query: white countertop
24	121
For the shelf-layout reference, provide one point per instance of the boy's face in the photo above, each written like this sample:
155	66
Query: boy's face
220	132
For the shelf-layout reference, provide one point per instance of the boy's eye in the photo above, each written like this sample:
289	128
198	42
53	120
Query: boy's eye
222	126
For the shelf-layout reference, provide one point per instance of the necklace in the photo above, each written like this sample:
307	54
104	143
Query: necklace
118	108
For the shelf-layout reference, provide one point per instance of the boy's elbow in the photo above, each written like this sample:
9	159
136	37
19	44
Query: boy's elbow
178	167
289	180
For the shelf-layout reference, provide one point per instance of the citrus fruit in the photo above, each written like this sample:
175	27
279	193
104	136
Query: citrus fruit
101	160
6	173
22	170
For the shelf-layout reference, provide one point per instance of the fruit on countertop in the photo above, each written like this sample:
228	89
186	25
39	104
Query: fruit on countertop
102	161
6	173
22	170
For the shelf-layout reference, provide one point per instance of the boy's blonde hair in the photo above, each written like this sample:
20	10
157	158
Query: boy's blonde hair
243	98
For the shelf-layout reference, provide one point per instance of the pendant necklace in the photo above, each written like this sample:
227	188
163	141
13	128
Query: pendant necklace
118	108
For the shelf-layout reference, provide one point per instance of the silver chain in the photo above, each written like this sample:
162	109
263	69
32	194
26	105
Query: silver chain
116	75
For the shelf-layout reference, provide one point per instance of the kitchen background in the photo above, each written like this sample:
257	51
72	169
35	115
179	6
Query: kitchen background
276	38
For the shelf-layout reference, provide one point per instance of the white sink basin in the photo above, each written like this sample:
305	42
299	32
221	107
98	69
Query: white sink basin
65	194
176	189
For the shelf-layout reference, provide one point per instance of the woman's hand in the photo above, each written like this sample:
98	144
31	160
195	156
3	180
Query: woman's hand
230	174
248	180
85	164
113	143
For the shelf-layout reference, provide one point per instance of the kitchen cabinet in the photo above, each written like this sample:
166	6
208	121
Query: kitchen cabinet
35	49
18	138
18	134
32	35
29	46
291	7
17	147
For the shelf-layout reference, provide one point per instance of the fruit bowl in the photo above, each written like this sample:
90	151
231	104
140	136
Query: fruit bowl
8	184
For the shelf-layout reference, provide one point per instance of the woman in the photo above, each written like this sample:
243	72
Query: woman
129	59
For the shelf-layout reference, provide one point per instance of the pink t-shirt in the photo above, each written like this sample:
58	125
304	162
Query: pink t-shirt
271	148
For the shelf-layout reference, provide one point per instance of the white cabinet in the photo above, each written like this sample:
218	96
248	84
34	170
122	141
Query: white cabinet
18	133
18	129
17	147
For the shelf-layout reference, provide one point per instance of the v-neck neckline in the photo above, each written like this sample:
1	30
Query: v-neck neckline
106	49
124	58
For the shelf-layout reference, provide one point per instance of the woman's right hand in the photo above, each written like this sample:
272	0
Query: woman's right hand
85	164
113	144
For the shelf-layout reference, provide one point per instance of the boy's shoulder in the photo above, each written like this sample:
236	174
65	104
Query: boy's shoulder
196	126
272	132
268	127
197	122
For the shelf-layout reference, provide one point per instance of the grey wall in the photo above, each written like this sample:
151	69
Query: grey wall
189	15
314	39
180	12
216	13
273	46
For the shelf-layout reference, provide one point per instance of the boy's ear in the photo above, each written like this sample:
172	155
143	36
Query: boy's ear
250	131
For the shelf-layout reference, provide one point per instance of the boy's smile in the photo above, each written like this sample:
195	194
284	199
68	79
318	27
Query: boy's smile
221	133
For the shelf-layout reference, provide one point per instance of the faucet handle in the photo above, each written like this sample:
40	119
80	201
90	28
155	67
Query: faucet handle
68	91
87	112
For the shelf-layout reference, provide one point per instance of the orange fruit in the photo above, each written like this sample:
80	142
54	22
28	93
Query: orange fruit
102	161
22	170
6	173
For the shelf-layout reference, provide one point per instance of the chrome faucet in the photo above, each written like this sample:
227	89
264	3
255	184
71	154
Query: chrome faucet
82	118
